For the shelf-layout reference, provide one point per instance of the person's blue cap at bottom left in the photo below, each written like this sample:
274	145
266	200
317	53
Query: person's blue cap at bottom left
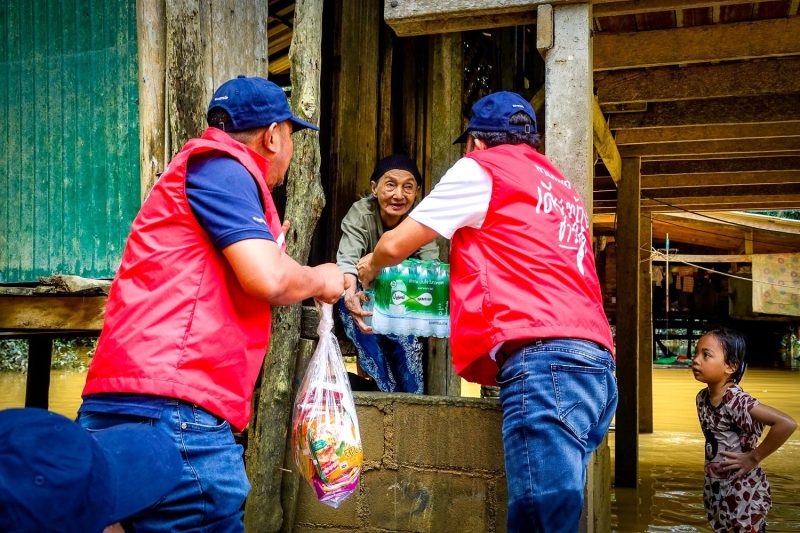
56	476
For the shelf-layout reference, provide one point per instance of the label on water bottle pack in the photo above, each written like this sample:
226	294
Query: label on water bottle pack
413	298
425	299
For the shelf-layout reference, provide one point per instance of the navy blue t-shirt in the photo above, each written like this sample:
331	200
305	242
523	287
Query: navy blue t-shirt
226	201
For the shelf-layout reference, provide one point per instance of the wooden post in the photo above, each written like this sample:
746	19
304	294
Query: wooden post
748	242
185	52
151	24
507	70
446	75
386	117
228	57
354	112
645	327
37	386
411	93
291	479
305	200
627	341
186	93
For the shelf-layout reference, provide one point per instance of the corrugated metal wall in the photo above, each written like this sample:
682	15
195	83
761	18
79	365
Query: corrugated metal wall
69	141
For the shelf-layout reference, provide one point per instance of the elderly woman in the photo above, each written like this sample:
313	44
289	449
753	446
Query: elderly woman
393	361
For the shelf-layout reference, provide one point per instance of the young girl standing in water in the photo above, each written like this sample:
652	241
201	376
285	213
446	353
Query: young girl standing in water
736	491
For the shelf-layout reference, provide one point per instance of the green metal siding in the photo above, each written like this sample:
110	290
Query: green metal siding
69	148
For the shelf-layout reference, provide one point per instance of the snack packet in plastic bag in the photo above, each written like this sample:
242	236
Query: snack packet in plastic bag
325	435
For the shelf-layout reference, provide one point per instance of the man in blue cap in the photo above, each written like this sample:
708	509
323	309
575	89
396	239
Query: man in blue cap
57	477
526	307
187	322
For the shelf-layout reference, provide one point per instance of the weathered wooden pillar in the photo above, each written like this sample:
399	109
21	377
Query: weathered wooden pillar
386	124
645	327
355	108
186	96
290	485
151	24
199	55
627	420
304	202
37	385
444	112
412	98
236	36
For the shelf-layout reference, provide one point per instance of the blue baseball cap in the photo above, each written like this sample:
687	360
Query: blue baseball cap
493	111
56	476
254	103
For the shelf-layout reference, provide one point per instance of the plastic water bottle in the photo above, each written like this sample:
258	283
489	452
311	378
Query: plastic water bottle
421	295
440	322
397	309
368	305
382	296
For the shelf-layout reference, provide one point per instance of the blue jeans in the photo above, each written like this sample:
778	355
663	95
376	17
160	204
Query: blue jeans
213	484
558	398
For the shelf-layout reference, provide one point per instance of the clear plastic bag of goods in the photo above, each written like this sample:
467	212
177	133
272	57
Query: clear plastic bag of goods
325	435
413	298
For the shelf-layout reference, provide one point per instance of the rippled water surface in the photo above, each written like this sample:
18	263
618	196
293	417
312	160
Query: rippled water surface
669	497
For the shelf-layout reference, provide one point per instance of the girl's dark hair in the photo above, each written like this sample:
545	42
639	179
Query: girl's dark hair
734	347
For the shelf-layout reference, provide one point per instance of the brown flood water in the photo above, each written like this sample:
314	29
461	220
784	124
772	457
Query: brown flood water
669	497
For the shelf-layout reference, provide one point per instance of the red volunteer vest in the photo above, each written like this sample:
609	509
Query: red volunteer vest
529	271
177	322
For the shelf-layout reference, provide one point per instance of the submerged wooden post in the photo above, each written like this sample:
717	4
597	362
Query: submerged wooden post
305	200
645	327
627	420
37	386
444	111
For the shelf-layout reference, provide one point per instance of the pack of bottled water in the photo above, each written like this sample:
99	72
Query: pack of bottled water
412	298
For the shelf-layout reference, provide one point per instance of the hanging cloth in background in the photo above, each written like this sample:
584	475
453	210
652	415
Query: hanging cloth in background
776	284
658	275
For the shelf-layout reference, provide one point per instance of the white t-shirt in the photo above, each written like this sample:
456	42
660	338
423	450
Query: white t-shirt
460	199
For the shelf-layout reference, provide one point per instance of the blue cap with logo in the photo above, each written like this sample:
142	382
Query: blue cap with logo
493	111
56	476
254	103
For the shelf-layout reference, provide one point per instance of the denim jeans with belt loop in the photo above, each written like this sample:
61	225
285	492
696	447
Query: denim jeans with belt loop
558	398
213	484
